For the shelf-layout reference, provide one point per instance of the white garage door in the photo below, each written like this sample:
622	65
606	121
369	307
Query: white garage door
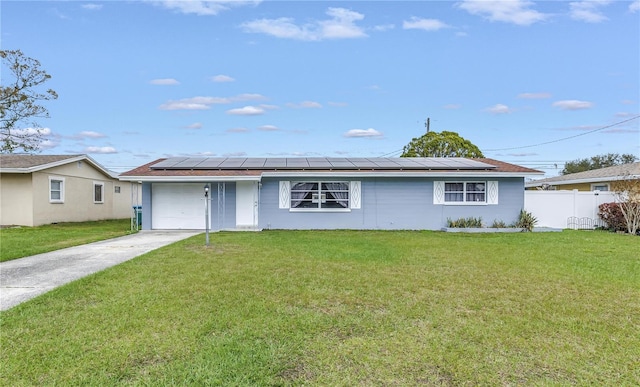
177	206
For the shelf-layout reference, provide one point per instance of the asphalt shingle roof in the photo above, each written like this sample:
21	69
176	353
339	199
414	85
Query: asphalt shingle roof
30	161
602	174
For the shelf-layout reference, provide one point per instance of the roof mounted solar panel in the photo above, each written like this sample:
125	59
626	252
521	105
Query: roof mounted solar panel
255	162
319	163
211	162
168	163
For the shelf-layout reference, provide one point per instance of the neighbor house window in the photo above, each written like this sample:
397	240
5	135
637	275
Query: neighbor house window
600	187
465	192
98	192
319	195
56	190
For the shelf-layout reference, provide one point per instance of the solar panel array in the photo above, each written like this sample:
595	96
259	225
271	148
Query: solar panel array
321	163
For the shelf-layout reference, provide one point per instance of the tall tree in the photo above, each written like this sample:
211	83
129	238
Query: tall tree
443	144
20	102
597	162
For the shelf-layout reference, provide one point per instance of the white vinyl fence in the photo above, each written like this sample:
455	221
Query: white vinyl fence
566	209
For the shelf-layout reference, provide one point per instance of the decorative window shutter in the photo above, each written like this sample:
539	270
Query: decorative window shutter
285	194
356	195
492	192
438	192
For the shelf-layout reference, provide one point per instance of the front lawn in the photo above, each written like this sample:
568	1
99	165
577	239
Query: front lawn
342	308
20	242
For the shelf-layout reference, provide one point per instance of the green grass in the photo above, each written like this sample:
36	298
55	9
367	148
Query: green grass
342	308
24	241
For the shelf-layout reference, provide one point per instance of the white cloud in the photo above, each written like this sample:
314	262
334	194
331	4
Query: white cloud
90	134
268	128
572	104
237	130
100	149
48	144
338	104
452	106
509	11
164	81
32	131
305	105
588	11
92	7
222	78
387	27
499	109
249	97
534	95
195	125
341	25
201	7
363	133
196	103
416	23
48	139
235	154
246	111
635	6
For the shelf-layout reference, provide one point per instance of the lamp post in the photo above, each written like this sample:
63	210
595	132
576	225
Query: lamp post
206	213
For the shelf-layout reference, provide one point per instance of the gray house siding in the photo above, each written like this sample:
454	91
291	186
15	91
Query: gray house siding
146	206
392	203
223	206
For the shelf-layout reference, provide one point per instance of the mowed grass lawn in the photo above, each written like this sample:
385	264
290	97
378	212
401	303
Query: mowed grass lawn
342	308
20	242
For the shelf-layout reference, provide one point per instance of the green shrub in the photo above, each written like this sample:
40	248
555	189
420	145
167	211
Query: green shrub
526	221
498	224
469	222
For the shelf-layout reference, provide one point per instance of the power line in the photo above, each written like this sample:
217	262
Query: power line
565	138
542	143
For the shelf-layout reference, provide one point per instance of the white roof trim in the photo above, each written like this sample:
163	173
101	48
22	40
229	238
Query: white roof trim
58	163
183	179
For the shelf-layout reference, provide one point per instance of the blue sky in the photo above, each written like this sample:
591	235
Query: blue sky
536	83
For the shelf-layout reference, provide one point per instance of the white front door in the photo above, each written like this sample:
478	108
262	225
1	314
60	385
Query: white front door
246	204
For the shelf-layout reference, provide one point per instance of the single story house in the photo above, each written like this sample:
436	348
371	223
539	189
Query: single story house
326	193
594	180
44	189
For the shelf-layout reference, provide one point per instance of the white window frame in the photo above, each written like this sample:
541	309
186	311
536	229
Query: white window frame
62	186
93	192
594	185
319	197
464	193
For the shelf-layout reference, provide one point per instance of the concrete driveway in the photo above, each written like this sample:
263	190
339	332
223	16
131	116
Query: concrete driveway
25	278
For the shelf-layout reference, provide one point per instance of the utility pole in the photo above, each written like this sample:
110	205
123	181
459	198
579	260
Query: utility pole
427	124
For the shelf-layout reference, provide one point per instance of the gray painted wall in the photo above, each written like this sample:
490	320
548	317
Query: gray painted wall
392	203
223	217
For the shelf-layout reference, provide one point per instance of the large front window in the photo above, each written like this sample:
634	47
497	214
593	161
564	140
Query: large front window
465	192
320	195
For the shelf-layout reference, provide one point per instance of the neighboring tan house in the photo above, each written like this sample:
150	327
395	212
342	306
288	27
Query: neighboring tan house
44	189
594	180
327	193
